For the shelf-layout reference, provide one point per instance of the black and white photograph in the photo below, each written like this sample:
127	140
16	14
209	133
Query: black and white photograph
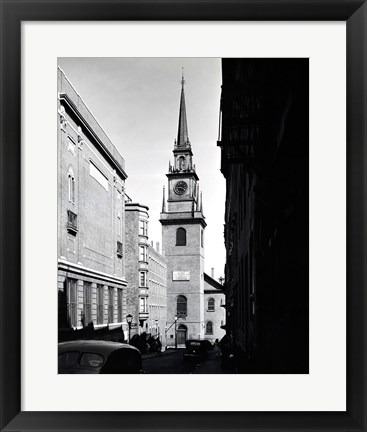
183	215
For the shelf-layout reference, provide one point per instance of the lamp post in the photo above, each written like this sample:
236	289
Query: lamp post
176	332
157	328
129	319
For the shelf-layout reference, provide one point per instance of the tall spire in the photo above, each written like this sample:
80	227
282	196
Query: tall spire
182	136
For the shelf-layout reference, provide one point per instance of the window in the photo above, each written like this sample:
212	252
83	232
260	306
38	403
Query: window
119	225
209	328
143	305
181	237
87	302
142	253
143	228
71	146
143	279
119	305
72	224
181	163
100	289
71	187
71	301
97	174
202	238
211	305
110	304
181	306
119	249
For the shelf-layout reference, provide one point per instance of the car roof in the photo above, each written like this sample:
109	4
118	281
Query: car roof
101	346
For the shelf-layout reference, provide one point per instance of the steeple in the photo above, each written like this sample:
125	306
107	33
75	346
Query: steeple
182	136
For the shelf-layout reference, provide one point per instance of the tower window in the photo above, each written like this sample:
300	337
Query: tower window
181	237
209	328
181	163
211	305
181	306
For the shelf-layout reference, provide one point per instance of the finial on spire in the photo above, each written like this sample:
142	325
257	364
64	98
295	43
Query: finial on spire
183	79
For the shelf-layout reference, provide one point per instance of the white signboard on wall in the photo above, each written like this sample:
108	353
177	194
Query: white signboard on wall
181	275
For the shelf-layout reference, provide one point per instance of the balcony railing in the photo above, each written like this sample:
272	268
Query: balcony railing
72	224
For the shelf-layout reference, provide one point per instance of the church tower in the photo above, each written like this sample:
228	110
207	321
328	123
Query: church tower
183	225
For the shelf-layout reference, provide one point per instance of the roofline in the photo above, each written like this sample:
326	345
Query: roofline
213	282
131	204
65	97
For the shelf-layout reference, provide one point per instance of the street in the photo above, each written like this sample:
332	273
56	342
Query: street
172	362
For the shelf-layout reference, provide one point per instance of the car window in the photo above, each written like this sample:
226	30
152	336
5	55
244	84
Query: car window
91	360
68	358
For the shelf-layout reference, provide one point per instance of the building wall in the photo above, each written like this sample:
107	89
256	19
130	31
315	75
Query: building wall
157	301
136	238
217	317
189	258
91	219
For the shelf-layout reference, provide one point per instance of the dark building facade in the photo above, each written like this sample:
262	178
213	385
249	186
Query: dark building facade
264	157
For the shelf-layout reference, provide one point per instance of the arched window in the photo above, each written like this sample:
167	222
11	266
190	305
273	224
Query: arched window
181	163
71	186
209	328
181	306
211	305
181	237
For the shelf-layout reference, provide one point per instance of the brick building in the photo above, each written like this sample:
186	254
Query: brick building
157	300
91	218
264	158
183	225
137	265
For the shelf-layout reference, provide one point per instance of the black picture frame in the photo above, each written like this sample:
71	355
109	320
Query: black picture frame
354	12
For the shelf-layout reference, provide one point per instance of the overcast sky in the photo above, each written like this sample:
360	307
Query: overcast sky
136	101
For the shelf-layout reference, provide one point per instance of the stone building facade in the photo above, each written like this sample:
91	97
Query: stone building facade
183	225
214	310
91	217
264	158
137	265
157	300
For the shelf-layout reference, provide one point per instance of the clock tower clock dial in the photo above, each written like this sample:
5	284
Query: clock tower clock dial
180	187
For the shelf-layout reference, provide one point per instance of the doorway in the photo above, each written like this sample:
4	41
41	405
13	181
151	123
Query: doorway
181	334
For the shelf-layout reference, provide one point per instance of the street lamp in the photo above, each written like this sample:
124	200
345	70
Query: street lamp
129	319
176	317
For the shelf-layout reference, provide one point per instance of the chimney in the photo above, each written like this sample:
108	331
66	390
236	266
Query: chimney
213	272
157	247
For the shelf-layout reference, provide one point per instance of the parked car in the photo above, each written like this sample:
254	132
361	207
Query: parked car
198	348
98	357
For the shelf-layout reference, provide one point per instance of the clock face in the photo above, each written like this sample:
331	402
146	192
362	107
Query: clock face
180	187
